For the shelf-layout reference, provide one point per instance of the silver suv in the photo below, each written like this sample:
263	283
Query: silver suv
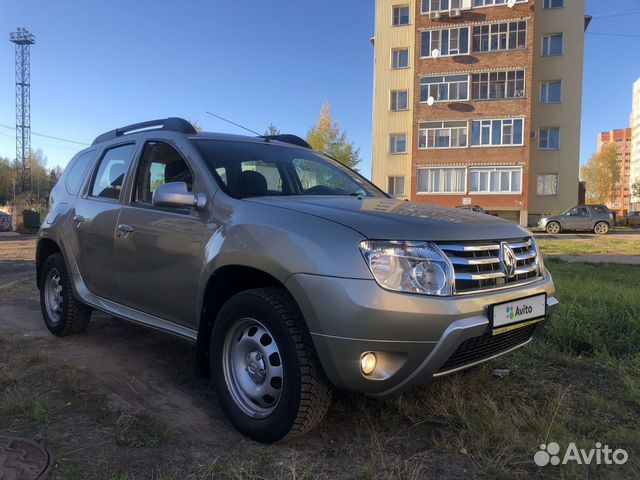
596	218
289	272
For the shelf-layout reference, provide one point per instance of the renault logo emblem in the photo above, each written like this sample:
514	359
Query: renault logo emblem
508	259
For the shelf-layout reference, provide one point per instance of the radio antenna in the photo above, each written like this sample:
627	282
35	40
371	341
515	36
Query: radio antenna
266	139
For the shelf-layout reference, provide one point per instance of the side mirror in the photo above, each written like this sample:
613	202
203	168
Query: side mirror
176	195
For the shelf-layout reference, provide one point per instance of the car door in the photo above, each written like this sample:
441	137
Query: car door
95	218
577	219
160	250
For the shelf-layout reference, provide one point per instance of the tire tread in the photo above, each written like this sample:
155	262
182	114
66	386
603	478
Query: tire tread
77	315
316	391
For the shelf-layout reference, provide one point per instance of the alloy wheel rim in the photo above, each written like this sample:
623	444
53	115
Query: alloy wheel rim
54	300
553	228
252	366
601	228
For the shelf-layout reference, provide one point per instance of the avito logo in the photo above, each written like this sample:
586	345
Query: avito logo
518	311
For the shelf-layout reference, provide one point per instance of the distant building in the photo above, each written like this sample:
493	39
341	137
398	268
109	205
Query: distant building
622	141
479	103
635	144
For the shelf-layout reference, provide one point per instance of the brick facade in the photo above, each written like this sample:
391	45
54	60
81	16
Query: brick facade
475	62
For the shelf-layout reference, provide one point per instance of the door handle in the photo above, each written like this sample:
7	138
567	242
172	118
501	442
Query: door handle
124	230
78	219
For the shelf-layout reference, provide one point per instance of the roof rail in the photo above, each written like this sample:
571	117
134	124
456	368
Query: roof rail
172	124
288	138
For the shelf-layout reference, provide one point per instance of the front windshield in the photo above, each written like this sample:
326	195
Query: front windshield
248	169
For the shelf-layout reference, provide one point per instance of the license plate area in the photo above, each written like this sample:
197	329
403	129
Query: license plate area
517	313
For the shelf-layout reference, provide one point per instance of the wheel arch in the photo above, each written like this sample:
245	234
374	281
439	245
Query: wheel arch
223	283
45	248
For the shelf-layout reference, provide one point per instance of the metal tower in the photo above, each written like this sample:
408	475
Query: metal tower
23	40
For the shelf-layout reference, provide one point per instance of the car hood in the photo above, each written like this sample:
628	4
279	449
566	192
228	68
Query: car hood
389	219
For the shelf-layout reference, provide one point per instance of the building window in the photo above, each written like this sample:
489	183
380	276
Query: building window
498	85
429	6
499	36
399	58
401	15
549	138
552	45
453	41
446	88
490	3
442	180
395	186
503	132
398	143
442	134
553	3
547	185
551	92
495	180
399	100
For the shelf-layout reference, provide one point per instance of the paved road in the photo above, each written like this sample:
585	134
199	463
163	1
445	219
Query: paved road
16	258
618	259
625	234
14	270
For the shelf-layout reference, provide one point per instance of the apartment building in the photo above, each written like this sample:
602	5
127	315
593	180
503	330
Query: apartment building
621	139
634	176
478	102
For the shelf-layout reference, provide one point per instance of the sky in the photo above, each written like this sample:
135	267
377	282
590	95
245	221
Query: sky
100	65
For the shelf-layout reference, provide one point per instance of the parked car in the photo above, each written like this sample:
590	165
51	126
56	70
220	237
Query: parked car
633	219
291	273
473	208
596	218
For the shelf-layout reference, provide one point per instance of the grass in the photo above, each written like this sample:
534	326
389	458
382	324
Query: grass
605	245
578	382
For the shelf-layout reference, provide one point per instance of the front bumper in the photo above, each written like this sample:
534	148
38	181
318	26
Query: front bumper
415	337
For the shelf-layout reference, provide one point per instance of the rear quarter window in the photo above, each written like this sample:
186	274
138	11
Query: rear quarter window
77	171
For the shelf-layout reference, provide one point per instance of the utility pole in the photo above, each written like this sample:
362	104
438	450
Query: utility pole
23	40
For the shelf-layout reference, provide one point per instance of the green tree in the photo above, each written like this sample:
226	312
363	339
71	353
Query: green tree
7	172
635	189
272	130
54	175
602	174
327	137
196	126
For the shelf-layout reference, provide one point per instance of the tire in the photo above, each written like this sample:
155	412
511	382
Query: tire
265	370
553	228
63	314
601	228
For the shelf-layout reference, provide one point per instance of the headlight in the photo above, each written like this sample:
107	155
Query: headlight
415	267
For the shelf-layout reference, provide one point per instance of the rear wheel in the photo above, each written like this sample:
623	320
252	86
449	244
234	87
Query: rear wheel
601	228
62	313
265	369
553	228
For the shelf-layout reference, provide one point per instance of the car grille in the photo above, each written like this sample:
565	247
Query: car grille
480	266
486	346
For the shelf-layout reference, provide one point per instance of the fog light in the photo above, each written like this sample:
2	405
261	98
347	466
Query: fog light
368	362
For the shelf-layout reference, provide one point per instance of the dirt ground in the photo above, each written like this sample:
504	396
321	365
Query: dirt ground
120	402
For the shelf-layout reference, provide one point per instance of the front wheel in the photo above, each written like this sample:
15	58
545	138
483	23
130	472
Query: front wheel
265	369
601	228
553	228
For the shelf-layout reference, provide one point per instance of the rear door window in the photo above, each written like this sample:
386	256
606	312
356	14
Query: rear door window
113	166
77	171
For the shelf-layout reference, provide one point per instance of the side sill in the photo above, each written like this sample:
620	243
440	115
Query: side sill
131	315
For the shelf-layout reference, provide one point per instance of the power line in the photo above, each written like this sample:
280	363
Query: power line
49	136
615	14
628	35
